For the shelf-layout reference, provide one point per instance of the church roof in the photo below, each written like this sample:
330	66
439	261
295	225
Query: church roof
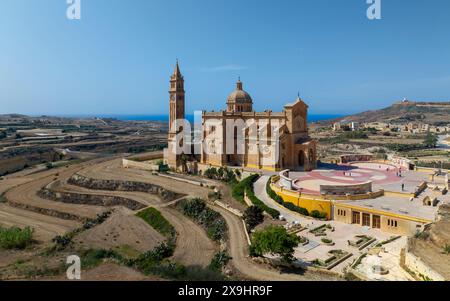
239	95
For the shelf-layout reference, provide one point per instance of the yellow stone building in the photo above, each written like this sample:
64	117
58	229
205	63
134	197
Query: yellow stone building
239	136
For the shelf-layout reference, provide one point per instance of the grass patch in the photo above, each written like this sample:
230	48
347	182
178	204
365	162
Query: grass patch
15	238
155	219
127	251
3	199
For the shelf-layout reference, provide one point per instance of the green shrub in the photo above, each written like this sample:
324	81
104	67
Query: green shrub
292	207
193	207
447	249
93	257
253	216
219	260
222	174
15	238
326	241
318	214
155	219
272	194
62	241
212	221
238	190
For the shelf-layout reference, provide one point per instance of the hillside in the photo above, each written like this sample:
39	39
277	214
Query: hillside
435	113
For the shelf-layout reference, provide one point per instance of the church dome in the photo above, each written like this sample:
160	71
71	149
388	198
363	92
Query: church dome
239	96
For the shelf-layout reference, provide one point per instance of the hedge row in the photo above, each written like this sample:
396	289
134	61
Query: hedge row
246	186
258	203
291	206
238	190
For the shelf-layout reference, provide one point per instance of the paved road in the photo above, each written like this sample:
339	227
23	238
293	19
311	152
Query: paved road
249	269
260	192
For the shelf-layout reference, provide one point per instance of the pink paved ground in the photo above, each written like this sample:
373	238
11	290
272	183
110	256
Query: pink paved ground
352	174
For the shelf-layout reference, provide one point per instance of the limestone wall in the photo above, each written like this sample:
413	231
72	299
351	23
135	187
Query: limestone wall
111	185
355	158
89	199
416	265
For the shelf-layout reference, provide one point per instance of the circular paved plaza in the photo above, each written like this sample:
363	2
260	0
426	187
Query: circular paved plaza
348	174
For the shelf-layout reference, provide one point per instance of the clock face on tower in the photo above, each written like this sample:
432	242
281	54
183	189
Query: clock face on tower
172	97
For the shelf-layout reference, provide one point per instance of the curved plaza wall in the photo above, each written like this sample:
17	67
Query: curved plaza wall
356	158
353	189
309	202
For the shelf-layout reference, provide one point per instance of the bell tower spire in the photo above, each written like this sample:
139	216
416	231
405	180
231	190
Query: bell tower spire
176	100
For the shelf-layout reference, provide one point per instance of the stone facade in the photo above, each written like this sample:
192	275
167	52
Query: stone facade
241	137
386	222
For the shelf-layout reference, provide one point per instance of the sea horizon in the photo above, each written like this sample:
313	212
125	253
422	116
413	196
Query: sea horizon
164	118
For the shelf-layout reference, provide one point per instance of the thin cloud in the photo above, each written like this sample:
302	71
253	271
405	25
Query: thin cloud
224	68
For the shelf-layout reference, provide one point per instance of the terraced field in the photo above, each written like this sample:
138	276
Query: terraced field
52	203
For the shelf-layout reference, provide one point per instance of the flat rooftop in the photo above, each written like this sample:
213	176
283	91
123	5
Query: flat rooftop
403	205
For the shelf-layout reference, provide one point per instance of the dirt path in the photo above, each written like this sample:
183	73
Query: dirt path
193	245
248	268
237	239
25	197
46	227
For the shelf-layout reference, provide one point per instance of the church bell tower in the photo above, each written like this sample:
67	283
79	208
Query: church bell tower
176	101
176	114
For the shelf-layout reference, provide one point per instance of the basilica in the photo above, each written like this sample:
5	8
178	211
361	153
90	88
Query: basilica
238	136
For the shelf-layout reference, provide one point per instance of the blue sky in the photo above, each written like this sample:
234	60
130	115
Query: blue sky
118	58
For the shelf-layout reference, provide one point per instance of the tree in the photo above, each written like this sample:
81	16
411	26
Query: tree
276	241
253	216
431	140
